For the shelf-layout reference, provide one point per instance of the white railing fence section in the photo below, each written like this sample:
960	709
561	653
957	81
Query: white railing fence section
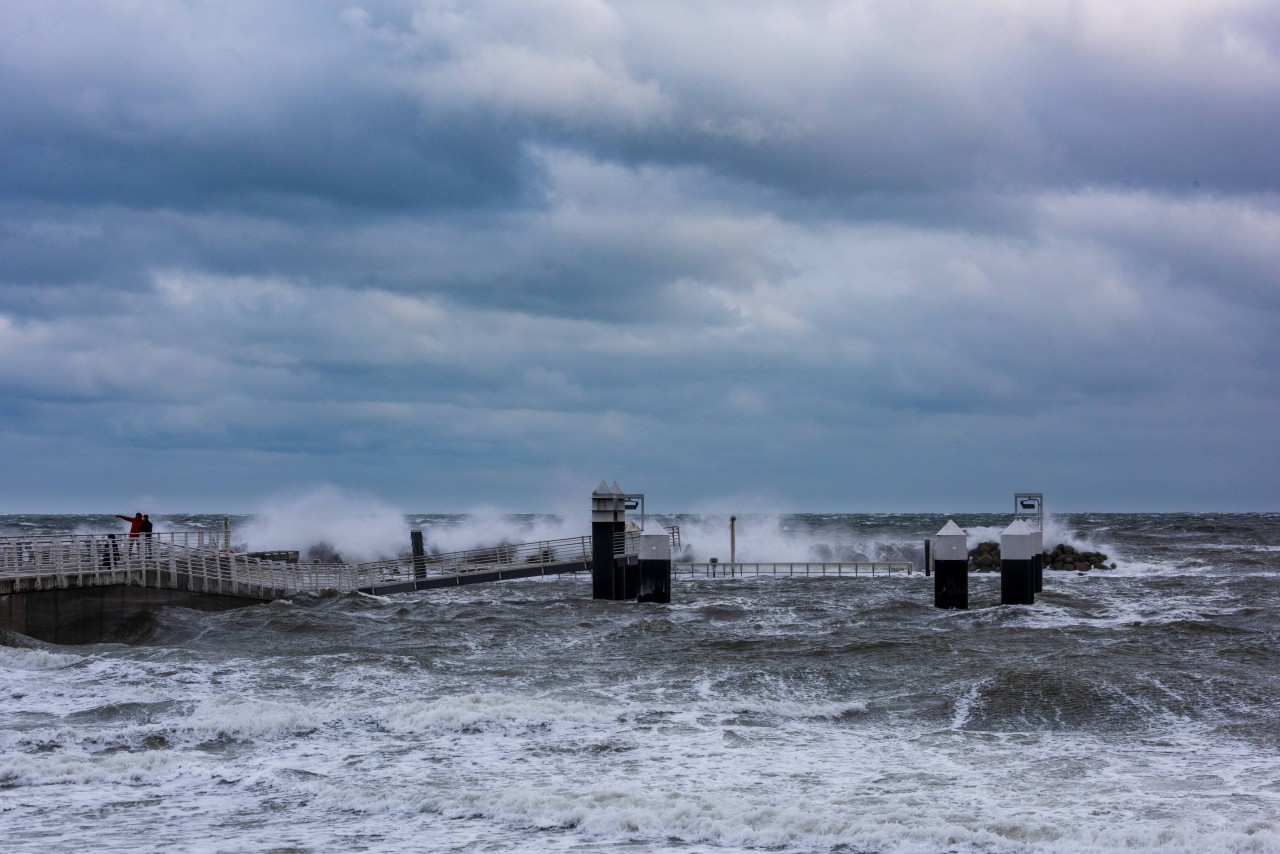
794	569
197	561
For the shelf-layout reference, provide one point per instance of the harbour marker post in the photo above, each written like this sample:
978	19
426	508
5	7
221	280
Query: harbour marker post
951	568
655	567
1017	579
1029	507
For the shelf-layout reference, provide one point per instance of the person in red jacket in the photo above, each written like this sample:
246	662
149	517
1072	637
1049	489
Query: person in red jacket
135	527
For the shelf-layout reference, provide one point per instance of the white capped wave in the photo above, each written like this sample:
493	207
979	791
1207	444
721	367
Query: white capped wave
31	658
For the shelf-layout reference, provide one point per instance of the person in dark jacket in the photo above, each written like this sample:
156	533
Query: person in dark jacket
110	553
147	527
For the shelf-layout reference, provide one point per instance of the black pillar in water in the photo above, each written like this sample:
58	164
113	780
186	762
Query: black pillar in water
1037	570
626	573
607	516
951	569
602	570
1017	577
1017	582
951	584
419	555
629	567
928	557
654	568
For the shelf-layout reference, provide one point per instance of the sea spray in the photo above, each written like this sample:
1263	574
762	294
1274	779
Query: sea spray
343	526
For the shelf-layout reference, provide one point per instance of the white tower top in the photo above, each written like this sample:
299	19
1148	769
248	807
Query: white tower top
1016	541
952	543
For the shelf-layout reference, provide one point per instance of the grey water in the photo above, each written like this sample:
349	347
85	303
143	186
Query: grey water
1133	709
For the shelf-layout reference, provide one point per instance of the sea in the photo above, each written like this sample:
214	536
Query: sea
1134	709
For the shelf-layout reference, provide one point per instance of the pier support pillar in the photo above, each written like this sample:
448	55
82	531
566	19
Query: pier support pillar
1037	559
608	511
1017	578
655	568
419	555
626	576
951	568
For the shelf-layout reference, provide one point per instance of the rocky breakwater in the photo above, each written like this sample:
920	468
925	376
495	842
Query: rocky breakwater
985	557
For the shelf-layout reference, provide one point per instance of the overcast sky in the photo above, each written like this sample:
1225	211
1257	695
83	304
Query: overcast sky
739	256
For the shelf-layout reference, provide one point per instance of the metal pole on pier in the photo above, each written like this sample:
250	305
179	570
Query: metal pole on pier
733	539
419	554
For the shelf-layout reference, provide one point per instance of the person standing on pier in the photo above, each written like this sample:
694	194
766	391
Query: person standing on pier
135	527
146	529
110	553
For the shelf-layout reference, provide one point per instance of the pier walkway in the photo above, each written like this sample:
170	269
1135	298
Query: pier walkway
68	589
795	569
198	561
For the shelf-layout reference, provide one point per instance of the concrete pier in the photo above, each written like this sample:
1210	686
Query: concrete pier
78	615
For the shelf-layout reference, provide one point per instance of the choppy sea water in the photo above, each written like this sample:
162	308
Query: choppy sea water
1128	710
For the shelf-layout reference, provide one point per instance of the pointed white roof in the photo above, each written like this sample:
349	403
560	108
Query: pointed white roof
951	529
603	489
1017	528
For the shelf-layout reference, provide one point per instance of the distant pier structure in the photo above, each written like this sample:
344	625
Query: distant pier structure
1021	557
628	560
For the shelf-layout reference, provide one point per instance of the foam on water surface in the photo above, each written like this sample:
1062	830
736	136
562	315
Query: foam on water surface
1125	711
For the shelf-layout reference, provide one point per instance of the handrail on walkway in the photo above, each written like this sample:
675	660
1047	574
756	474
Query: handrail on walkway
196	560
835	569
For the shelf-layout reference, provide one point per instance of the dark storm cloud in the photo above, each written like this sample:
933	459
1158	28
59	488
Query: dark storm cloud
774	248
226	106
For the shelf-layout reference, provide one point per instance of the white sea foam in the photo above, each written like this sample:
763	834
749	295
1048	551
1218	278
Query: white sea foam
24	658
528	718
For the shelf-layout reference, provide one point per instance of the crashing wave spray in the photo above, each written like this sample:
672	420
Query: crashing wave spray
788	537
327	524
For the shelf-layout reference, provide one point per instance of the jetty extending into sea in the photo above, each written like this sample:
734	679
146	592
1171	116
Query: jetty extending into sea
77	588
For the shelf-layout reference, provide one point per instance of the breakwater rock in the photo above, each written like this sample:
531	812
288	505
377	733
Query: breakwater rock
1065	557
985	557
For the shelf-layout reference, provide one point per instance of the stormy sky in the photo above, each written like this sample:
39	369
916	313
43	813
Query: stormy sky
739	256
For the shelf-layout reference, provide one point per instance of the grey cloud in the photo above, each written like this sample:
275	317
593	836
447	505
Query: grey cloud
849	252
261	112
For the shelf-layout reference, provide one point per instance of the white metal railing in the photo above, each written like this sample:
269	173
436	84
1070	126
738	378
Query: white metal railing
628	542
194	558
856	569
